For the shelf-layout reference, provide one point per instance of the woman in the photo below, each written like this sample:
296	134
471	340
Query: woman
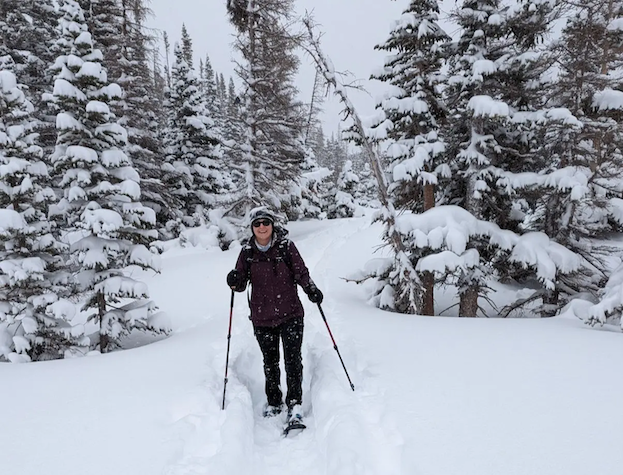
274	267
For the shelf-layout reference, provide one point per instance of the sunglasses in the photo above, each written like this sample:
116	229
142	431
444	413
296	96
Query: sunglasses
262	222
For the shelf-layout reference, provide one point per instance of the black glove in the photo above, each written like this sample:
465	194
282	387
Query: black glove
233	279
314	294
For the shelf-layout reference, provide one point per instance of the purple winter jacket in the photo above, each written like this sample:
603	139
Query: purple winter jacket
274	296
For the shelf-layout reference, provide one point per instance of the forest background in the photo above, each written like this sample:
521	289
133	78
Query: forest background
493	157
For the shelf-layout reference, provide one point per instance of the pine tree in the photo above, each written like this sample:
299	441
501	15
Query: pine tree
315	108
336	152
33	281
272	156
211	90
167	64
411	117
367	193
478	115
193	144
561	187
28	29
591	156
100	204
222	92
343	204
141	112
187	47
233	135
105	25
495	132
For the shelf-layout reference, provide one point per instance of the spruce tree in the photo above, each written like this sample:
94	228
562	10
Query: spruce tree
187	47
28	30
193	145
478	115
100	210
141	111
33	280
343	204
411	117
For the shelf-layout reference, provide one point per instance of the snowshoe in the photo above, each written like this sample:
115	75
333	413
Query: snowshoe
272	411
294	423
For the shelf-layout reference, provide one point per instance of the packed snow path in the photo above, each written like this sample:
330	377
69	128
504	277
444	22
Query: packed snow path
345	431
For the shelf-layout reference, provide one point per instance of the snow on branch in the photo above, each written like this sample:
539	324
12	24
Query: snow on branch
449	229
615	25
487	106
608	310
608	99
10	220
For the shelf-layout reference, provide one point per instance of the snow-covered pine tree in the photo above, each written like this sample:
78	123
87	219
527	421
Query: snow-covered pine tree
316	141
590	85
33	278
497	111
335	153
106	28
409	117
211	91
367	193
233	136
222	94
315	192
28	32
108	228
273	153
343	203
411	112
527	171
141	112
312	123
167	64
477	116
588	158
187	47
194	165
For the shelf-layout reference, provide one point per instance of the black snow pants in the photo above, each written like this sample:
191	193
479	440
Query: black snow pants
291	335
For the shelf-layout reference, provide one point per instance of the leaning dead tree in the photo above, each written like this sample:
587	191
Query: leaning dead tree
405	280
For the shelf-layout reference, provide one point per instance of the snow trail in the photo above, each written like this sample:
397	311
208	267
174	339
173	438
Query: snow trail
348	433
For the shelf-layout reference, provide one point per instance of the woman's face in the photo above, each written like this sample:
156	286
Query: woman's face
263	229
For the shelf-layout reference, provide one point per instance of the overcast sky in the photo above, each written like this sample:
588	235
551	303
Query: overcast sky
351	30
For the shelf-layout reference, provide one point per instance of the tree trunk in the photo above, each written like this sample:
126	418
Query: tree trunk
104	339
428	279
251	109
550	302
428	303
468	306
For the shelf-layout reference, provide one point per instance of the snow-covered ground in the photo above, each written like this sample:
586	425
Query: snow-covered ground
434	396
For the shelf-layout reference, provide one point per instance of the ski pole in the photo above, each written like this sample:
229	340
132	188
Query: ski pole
352	386
231	315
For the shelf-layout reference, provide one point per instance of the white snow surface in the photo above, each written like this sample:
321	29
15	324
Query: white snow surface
434	395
